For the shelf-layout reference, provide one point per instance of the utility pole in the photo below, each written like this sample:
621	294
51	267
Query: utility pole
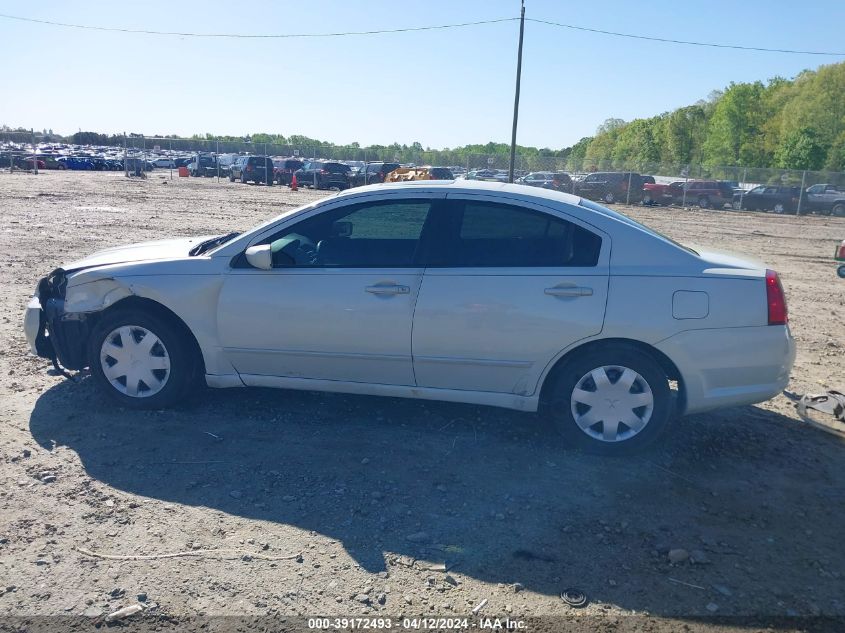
516	95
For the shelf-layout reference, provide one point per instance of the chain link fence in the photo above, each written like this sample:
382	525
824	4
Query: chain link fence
804	191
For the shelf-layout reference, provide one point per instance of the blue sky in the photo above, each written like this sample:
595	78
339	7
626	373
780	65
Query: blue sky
441	88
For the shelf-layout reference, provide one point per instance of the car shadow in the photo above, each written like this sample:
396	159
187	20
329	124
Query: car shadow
757	499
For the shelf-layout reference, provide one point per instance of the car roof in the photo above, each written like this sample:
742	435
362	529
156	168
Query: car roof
466	186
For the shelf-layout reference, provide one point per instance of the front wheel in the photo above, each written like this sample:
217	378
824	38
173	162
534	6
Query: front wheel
611	401
704	202
838	210
737	205
841	271
140	360
609	197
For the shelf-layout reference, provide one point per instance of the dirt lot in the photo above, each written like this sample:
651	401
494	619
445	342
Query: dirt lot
326	504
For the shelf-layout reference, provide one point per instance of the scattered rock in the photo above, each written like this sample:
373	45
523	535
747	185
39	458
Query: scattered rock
125	612
142	597
417	537
362	598
93	612
117	592
42	561
381	598
517	587
365	461
678	556
698	557
712	607
408	599
48	479
449	578
27	452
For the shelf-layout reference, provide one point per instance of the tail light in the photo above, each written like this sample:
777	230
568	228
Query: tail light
249	167
776	299
840	252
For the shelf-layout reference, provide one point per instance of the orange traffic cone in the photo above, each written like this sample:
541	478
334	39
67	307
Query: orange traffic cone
293	186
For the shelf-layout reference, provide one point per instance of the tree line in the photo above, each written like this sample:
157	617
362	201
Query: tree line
783	123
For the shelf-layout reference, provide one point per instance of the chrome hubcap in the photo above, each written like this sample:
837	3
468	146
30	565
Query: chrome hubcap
135	361
612	403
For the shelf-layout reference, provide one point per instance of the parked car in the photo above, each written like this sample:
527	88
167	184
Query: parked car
768	198
203	165
610	186
76	163
372	173
164	163
560	182
536	178
284	168
225	162
709	193
29	162
324	174
660	193
481	174
256	169
608	328
407	174
825	199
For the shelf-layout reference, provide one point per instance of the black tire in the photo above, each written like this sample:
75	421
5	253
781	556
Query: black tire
231	177
243	178
704	202
558	399
838	209
183	371
609	198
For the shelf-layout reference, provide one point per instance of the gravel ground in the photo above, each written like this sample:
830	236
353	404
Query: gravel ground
289	503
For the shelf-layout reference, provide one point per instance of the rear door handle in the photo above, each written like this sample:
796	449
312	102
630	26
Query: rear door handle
569	291
388	290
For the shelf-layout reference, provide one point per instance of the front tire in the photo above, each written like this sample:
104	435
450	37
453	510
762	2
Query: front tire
140	360
704	202
609	197
611	401
838	210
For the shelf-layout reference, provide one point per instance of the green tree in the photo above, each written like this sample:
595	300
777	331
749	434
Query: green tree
802	149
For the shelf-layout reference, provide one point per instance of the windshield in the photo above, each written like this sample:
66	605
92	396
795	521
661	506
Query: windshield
593	206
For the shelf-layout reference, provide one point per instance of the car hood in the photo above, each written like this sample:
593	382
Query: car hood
143	251
725	260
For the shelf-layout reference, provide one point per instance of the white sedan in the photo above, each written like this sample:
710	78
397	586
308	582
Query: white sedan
461	291
164	162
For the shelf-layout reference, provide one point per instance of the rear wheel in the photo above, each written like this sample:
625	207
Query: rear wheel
141	360
779	207
737	205
647	199
704	202
611	401
609	197
231	177
839	209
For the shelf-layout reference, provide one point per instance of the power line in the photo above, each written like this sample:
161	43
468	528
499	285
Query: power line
574	27
89	27
686	42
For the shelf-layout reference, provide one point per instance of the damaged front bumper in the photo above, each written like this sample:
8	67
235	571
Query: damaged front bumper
52	332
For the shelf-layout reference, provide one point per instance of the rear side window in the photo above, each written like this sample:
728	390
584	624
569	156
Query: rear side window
487	234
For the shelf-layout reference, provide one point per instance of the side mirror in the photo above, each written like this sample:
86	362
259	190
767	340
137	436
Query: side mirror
260	256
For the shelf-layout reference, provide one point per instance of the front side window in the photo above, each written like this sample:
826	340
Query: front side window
371	235
487	234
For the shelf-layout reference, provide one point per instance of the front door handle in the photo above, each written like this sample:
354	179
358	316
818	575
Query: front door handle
388	290
569	291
